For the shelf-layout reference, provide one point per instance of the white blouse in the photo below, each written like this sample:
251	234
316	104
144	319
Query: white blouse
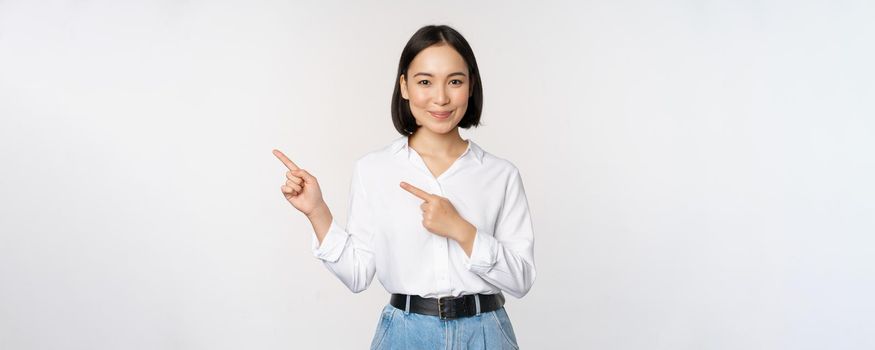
384	232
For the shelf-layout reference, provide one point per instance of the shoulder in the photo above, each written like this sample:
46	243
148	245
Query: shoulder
378	157
505	173
499	164
500	170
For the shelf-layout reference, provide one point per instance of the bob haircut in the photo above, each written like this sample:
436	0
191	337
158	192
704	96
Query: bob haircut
422	39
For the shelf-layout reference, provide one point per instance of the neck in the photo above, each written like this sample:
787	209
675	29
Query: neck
426	142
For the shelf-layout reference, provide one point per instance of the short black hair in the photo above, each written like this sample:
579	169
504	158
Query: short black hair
422	39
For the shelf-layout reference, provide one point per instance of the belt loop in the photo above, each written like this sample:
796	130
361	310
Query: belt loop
407	306
477	302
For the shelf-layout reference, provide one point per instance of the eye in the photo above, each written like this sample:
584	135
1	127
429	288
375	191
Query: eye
423	81
459	81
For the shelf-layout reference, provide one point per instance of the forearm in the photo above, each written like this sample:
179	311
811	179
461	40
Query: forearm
465	237
343	250
512	272
321	219
507	264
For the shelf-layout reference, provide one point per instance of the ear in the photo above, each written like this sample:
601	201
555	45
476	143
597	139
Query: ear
403	83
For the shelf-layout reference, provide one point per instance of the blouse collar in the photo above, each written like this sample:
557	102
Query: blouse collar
401	143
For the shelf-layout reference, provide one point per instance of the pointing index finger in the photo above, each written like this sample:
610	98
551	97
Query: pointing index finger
416	191
288	162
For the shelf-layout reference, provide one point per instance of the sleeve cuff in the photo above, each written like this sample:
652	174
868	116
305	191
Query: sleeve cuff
484	253
332	245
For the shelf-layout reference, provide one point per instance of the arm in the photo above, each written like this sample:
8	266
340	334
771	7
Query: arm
321	219
346	252
506	257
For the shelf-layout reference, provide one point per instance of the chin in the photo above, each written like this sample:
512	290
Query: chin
440	129
437	127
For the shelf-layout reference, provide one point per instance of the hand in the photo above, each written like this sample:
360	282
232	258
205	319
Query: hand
440	217
301	189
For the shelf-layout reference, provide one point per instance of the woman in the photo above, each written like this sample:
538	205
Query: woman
453	235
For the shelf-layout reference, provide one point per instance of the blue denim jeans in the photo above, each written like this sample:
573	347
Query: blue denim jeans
398	329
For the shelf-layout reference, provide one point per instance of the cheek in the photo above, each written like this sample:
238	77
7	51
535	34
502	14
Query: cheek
419	98
459	96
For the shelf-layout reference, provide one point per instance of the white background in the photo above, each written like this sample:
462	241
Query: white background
700	173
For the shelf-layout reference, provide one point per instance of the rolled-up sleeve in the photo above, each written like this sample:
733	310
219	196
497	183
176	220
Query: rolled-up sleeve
348	252
505	258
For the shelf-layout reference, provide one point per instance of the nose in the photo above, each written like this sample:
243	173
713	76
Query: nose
442	97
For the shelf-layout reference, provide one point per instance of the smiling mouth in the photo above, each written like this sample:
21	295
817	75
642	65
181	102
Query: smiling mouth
441	115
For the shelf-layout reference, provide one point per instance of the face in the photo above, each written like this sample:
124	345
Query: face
437	88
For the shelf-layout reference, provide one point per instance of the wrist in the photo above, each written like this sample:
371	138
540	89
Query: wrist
466	233
319	212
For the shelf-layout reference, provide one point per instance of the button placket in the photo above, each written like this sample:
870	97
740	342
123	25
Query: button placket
441	250
441	245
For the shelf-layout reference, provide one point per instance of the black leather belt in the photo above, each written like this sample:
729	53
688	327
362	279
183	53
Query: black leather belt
449	307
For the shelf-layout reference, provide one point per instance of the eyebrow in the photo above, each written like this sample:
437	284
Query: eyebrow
430	75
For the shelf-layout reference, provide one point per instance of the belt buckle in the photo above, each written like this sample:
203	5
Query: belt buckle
450	312
447	308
